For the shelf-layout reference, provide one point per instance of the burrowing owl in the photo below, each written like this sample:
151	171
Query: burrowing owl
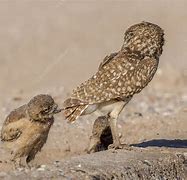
119	77
101	136
26	129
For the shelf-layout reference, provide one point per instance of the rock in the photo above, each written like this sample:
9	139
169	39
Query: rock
136	164
42	167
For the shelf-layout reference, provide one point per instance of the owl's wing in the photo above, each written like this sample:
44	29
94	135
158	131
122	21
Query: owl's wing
118	78
10	132
11	129
107	59
16	114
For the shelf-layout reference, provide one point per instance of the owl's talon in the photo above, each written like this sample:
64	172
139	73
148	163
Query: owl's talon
120	146
113	146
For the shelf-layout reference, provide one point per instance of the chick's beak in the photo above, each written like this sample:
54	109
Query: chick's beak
55	109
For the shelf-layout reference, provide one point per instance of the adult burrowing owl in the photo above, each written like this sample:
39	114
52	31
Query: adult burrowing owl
119	77
26	129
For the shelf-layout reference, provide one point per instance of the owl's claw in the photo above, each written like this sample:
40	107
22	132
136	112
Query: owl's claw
119	146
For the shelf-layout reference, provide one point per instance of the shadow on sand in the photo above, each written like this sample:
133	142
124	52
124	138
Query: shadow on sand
176	143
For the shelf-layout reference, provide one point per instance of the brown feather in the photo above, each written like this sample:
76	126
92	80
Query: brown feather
75	113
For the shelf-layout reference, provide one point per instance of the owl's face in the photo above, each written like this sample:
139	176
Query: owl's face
145	37
42	107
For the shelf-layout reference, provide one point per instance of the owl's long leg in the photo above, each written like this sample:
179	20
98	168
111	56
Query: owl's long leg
113	116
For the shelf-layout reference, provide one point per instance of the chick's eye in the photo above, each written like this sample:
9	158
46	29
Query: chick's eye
45	110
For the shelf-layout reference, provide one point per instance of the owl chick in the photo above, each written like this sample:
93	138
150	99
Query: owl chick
119	77
26	129
101	136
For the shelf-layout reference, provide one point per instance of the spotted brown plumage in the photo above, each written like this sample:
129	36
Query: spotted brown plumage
120	76
26	128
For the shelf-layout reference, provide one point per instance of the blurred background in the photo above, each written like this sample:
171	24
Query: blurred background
60	43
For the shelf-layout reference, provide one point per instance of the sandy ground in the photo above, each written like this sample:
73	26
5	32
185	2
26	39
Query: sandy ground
52	46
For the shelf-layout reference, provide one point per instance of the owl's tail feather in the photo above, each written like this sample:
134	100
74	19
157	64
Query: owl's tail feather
73	109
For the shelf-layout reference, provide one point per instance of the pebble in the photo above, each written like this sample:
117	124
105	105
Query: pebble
185	155
57	163
61	172
79	165
42	168
147	162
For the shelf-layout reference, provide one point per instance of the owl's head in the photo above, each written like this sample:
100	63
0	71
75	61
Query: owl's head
146	38
42	107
